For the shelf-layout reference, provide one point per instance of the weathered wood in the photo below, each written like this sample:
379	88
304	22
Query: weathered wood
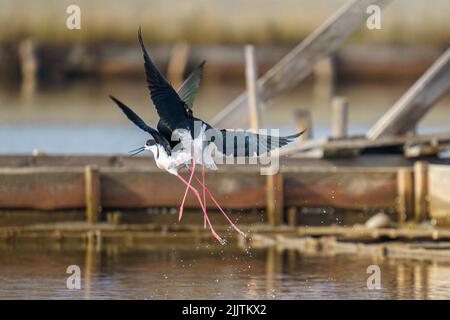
42	188
421	190
438	193
339	117
342	188
140	188
292	216
59	188
253	92
177	63
93	193
275	198
442	140
411	107
299	63
405	191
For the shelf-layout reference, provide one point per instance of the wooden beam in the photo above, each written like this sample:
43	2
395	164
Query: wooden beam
410	108
442	140
299	63
132	188
251	75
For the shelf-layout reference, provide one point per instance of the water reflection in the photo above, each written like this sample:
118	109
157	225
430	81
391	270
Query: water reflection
204	271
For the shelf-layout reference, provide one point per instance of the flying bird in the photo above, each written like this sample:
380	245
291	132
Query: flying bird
181	139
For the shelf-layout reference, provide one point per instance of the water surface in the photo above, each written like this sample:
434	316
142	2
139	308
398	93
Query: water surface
204	271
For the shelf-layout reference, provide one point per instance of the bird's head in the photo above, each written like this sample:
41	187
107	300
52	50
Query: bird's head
150	145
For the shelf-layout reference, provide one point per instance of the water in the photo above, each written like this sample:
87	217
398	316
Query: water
78	117
212	272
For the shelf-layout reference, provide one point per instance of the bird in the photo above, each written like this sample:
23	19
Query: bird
182	140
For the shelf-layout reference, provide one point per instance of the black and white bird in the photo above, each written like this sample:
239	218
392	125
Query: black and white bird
180	139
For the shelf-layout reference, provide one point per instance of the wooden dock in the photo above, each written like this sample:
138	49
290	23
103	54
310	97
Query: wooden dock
412	191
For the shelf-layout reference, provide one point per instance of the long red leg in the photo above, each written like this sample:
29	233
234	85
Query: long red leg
180	213
218	206
204	194
222	241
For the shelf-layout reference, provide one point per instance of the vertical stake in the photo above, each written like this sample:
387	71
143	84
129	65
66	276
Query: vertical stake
92	189
421	190
251	77
405	194
339	119
303	119
275	198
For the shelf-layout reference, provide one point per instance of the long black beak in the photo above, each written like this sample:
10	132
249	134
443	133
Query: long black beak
136	151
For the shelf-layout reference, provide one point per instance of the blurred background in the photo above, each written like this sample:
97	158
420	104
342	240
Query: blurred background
66	108
313	234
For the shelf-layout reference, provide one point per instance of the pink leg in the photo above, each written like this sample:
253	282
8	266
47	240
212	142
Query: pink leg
218	206
180	213
222	241
204	194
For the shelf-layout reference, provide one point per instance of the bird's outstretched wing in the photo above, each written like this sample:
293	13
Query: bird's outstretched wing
171	109
248	144
133	117
189	88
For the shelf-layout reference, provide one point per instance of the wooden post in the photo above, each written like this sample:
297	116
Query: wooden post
28	68
405	190
421	190
177	63
324	79
339	116
92	187
251	75
292	216
275	198
303	120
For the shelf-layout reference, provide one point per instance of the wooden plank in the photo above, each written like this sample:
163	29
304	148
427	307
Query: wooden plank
299	63
141	188
253	91
351	189
42	188
59	188
421	191
410	108
275	198
93	193
442	140
438	193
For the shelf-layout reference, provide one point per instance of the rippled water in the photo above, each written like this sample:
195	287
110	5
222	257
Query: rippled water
212	272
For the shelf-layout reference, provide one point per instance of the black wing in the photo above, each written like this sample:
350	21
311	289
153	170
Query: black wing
171	109
141	124
189	88
248	144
